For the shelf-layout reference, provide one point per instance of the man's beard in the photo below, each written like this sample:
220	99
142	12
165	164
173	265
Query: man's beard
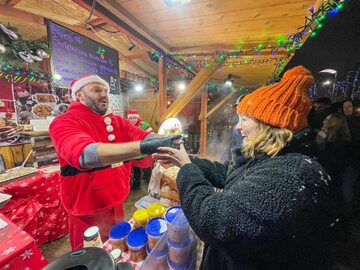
96	106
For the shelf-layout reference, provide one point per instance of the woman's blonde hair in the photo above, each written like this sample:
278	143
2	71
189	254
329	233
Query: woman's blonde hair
268	140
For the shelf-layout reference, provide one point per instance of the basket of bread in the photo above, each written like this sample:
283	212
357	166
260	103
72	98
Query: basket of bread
169	193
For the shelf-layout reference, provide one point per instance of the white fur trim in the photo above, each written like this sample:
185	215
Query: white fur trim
133	115
81	82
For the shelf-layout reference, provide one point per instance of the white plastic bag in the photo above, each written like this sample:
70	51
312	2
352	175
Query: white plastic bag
154	184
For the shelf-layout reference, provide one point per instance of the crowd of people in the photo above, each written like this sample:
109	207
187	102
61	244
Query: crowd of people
276	204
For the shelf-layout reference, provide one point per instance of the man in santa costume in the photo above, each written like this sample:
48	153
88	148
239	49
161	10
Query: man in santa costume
143	163
94	147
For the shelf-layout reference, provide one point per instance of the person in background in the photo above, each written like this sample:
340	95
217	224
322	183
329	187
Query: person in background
94	147
351	187
275	210
319	110
348	107
334	147
144	163
237	138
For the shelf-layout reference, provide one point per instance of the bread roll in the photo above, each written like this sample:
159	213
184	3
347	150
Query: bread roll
168	177
167	192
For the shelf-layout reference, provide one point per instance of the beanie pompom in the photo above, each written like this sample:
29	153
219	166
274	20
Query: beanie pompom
296	72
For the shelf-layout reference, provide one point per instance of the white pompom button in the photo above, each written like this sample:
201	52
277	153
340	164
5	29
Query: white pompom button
107	120
111	137
109	128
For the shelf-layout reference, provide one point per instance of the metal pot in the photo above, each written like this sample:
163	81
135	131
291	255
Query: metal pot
92	258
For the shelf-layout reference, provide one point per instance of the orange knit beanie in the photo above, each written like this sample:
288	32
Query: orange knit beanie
284	104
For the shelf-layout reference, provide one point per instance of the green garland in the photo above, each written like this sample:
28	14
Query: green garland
13	47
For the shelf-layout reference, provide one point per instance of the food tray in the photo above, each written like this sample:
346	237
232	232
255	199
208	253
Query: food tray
4	198
16	174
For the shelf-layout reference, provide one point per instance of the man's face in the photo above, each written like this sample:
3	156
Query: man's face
133	119
348	108
319	107
95	96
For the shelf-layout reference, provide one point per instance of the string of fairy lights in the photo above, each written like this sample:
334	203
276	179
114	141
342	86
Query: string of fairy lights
190	62
313	23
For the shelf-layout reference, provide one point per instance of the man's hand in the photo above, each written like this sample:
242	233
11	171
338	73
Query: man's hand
150	146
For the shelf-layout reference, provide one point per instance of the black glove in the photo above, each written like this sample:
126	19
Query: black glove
150	146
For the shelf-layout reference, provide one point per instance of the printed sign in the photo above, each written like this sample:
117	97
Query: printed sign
74	55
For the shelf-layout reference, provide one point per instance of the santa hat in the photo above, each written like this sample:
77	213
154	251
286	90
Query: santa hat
76	85
132	113
285	104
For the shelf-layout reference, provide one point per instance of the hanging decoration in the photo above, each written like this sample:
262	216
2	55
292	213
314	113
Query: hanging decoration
136	78
18	75
16	51
284	45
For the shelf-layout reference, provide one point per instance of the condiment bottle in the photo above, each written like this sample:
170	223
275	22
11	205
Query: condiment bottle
116	253
92	237
141	218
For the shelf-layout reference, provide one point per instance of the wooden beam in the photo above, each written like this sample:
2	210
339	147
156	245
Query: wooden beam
203	119
264	52
138	55
219	104
133	22
111	19
193	88
154	115
12	3
162	86
11	13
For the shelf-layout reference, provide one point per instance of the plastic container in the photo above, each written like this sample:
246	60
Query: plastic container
179	254
136	242
92	237
178	226
188	266
159	259
118	234
156	210
154	230
141	218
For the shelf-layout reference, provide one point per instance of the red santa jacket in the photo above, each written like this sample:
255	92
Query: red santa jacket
89	191
147	161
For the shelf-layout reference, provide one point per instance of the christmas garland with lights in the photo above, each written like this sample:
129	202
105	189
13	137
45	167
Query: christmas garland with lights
20	75
312	24
18	52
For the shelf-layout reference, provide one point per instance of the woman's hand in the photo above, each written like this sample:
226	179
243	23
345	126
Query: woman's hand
172	155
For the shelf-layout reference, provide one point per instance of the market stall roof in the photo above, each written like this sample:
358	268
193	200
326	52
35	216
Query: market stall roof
247	31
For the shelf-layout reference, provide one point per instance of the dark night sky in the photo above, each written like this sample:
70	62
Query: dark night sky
337	44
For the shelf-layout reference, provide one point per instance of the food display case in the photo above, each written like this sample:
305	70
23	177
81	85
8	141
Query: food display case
43	150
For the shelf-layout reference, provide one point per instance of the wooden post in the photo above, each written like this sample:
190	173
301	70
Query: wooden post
208	114
193	88
162	86
203	119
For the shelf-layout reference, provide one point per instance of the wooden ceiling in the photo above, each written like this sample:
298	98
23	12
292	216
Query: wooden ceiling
196	27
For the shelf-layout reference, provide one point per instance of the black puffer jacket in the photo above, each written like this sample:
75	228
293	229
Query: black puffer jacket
273	213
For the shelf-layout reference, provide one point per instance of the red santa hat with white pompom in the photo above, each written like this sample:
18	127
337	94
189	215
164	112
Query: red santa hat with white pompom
76	85
132	113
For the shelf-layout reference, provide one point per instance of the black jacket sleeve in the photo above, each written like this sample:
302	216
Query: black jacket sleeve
246	211
214	172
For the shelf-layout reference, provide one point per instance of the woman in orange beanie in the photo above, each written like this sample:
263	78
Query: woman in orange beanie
274	210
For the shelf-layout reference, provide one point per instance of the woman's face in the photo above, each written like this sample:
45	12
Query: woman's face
247	126
348	108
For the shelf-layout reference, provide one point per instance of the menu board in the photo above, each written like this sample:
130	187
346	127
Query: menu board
74	55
